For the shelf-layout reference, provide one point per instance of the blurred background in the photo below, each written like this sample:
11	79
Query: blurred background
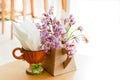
100	58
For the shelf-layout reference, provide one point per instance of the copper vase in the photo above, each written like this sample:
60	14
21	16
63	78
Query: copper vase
34	58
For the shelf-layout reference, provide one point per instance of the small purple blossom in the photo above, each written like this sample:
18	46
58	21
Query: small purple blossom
51	10
38	26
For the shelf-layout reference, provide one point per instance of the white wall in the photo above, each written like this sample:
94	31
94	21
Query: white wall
101	22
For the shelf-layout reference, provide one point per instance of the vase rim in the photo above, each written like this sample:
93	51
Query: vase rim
32	51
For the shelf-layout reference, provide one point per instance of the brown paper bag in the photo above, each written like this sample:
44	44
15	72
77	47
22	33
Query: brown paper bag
57	62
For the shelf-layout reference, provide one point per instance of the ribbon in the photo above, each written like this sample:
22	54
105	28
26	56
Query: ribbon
37	68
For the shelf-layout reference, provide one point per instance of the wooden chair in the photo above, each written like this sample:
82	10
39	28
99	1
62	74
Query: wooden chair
3	7
12	14
24	12
64	5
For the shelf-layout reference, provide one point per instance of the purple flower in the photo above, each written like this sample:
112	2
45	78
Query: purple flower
44	21
38	26
53	33
70	47
51	10
54	20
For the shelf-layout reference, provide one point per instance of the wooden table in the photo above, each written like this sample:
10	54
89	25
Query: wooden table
16	71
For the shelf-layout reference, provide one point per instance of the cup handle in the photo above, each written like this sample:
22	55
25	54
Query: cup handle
14	55
68	59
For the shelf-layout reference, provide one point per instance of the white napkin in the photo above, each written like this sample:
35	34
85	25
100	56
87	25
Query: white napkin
28	35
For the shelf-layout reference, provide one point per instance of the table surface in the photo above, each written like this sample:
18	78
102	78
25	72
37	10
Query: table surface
16	71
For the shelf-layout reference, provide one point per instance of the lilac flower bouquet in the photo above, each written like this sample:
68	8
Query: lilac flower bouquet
56	33
51	36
